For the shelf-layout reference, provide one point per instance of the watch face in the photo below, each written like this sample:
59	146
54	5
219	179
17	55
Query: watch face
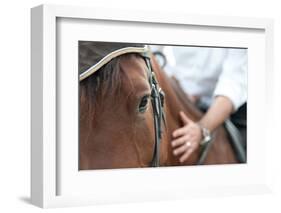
206	132
207	138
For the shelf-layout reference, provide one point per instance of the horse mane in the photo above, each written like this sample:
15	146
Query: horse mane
108	78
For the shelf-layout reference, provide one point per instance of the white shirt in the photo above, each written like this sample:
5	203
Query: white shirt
209	72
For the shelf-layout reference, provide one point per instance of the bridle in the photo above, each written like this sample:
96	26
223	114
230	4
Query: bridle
157	95
157	102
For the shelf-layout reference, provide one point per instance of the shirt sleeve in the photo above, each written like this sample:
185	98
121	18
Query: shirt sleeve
232	82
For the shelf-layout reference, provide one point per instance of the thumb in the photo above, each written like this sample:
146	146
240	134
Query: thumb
184	118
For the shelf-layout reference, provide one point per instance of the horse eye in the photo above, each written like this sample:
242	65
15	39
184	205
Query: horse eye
143	104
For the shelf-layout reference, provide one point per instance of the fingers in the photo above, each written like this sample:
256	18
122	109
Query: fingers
186	155
180	150
185	151
184	118
180	132
183	130
180	141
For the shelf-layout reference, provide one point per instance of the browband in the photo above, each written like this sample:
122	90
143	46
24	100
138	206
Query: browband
143	50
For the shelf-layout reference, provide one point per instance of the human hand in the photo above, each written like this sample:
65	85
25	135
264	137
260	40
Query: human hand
186	139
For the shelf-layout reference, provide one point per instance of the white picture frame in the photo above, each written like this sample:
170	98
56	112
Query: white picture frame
45	157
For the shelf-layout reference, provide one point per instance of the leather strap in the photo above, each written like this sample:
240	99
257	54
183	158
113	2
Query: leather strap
157	101
236	140
107	58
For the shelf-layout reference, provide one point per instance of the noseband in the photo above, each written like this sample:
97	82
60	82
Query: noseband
157	95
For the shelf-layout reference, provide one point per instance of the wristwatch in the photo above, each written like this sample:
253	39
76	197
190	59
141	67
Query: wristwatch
207	137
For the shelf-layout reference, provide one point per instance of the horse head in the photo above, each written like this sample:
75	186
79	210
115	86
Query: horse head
116	116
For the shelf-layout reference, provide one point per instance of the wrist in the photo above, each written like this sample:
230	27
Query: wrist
206	135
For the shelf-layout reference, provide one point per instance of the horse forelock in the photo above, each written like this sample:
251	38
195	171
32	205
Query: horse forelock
97	87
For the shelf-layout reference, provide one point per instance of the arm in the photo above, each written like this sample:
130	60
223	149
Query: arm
218	112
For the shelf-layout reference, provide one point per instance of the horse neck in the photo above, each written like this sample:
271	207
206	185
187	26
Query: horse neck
175	101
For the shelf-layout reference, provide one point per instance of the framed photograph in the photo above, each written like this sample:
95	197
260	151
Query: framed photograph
129	106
